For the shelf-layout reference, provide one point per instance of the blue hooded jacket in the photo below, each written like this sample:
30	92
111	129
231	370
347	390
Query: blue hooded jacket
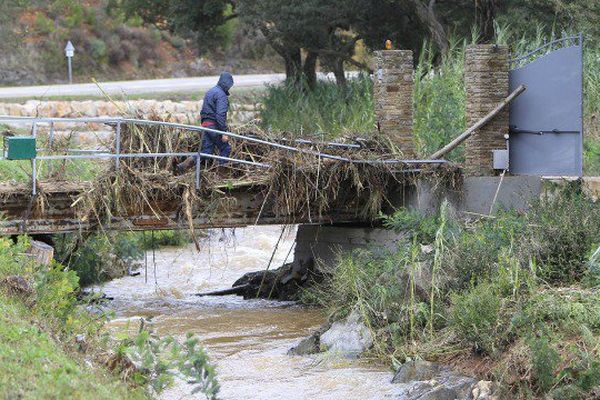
216	103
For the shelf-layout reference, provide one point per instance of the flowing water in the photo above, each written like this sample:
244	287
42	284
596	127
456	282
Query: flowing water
246	339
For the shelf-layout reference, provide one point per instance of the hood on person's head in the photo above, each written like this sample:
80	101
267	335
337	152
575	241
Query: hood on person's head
225	81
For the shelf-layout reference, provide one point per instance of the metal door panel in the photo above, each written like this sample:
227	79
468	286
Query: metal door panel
552	106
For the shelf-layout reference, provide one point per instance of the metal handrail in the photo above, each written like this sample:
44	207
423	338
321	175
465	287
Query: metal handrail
545	45
118	121
198	128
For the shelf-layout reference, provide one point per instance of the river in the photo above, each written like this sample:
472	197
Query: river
248	340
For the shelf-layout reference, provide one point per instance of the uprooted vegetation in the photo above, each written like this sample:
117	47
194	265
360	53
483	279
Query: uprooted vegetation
511	297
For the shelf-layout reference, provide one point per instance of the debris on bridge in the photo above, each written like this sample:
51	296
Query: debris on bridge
300	184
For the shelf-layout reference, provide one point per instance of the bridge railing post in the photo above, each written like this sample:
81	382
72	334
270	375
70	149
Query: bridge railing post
198	172
51	135
34	162
118	146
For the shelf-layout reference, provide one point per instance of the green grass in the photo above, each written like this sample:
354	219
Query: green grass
38	354
33	365
323	113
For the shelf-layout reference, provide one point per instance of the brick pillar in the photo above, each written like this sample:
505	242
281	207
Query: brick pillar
392	96
486	83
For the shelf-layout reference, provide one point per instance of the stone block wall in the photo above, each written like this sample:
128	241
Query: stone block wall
182	111
486	83
392	96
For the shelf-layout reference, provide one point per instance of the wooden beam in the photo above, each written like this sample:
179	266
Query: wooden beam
466	134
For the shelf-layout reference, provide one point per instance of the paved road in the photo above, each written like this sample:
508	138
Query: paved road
179	85
150	86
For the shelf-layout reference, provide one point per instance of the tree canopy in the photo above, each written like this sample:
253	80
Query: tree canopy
306	32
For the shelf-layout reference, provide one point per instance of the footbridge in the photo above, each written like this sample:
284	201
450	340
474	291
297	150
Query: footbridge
129	183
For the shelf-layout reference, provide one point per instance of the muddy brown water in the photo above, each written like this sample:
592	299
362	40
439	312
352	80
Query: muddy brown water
248	340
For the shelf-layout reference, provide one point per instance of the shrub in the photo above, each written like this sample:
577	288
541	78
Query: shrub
562	231
99	257
545	361
423	227
477	316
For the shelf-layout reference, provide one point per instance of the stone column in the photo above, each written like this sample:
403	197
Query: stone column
392	96
486	83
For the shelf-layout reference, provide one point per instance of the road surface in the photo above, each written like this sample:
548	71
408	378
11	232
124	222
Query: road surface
127	88
150	86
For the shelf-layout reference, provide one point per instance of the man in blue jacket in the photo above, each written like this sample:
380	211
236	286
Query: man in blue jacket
214	115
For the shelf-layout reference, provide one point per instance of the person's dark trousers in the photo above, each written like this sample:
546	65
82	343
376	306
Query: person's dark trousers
210	140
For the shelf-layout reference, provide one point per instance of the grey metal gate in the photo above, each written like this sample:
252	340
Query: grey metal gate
546	122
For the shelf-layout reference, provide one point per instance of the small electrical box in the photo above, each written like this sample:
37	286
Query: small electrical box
500	159
20	147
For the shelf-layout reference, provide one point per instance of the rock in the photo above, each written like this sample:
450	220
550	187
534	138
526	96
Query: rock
417	371
349	337
17	285
484	390
311	344
429	381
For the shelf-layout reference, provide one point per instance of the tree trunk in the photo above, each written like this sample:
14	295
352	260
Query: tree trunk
310	69
293	65
42	253
338	72
485	11
427	16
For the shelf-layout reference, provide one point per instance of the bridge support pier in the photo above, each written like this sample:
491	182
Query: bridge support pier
322	244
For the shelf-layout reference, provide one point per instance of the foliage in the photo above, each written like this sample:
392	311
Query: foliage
42	327
476	318
98	257
439	99
159	360
106	255
38	358
201	20
510	287
323	113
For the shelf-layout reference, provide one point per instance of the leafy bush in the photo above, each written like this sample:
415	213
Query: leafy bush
562	231
98	257
413	222
477	317
545	361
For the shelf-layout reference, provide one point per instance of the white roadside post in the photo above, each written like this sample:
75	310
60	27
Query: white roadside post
69	52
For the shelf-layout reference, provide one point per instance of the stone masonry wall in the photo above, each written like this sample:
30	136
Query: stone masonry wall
392	95
486	83
182	112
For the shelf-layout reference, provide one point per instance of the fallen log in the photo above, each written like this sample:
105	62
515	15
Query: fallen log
237	290
466	134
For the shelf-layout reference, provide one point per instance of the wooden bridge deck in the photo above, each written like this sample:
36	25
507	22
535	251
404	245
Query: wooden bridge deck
53	211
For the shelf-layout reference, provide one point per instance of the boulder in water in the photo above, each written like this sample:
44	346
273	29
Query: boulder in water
424	380
349	337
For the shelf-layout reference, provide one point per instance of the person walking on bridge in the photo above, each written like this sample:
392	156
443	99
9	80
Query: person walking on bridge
213	115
